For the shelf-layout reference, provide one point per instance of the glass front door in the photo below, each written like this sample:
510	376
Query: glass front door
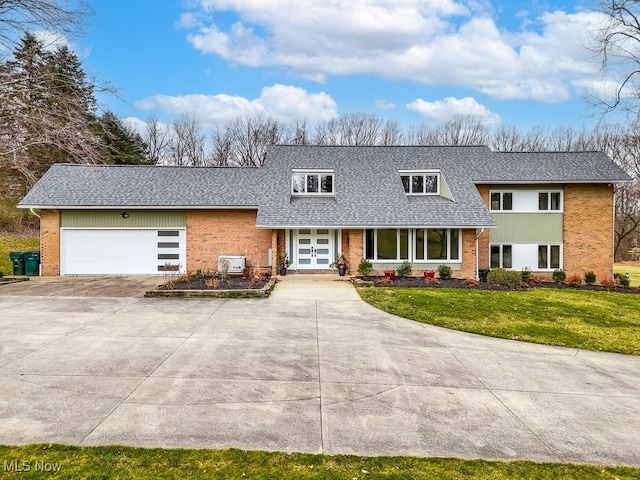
314	249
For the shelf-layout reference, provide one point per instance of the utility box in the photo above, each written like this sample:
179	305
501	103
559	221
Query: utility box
231	264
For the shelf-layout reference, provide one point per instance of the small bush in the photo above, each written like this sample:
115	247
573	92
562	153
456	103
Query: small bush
624	281
574	280
525	274
589	277
405	269
504	278
365	268
472	282
608	283
444	272
431	281
559	276
384	282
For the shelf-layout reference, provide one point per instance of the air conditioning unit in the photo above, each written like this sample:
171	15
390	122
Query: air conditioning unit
231	263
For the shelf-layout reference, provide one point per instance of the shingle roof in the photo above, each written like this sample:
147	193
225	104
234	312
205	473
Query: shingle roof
72	185
368	189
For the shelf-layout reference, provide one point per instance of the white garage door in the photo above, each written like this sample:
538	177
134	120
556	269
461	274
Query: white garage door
121	251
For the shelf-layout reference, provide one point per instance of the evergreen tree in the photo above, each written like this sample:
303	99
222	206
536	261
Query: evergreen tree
122	146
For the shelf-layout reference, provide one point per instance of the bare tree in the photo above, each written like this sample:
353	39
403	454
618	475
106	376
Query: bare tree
186	144
618	45
157	139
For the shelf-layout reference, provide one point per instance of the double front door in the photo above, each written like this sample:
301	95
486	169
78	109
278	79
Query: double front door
314	249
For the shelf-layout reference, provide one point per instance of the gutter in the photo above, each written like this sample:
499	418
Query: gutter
40	234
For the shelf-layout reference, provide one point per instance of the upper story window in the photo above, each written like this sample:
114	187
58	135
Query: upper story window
312	182
549	201
420	183
501	200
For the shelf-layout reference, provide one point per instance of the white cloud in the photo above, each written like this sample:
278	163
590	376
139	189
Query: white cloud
384	105
434	42
443	110
284	102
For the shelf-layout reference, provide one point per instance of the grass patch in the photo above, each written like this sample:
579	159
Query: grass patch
116	462
15	243
590	320
632	269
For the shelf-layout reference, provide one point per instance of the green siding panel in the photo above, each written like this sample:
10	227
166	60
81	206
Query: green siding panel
113	218
527	228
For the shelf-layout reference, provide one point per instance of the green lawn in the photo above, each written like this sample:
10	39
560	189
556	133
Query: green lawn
590	320
632	269
115	463
15	243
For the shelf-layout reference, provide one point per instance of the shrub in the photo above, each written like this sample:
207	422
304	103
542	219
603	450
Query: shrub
607	283
589	277
405	269
431	281
365	268
444	272
472	282
525	274
535	279
504	278
574	280
624	281
559	276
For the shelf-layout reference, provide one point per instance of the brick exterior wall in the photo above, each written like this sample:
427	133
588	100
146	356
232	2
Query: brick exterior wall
483	241
588	229
352	249
50	242
211	233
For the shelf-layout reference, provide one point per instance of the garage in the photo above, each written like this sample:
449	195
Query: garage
121	251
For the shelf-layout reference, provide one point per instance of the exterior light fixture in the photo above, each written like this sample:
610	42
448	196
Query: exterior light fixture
124	215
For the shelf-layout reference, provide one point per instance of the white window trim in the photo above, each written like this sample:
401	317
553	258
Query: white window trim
502	192
410	173
560	210
549	245
501	245
411	247
317	172
426	261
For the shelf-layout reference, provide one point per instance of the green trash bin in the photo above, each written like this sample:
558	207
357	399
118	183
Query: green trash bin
17	259
32	263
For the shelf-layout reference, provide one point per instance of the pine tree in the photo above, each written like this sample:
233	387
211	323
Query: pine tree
122	145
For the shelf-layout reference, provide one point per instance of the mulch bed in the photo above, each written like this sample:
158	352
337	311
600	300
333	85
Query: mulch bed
232	282
460	283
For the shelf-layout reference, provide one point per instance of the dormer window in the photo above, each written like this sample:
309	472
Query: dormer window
312	182
420	182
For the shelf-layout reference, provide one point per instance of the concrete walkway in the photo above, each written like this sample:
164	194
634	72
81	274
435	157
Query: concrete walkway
311	369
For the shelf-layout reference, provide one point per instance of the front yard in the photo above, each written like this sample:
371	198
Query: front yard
116	462
590	320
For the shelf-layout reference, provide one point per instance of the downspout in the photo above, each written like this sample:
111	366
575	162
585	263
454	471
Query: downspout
40	234
477	254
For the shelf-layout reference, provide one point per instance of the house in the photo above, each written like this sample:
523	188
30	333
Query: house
466	207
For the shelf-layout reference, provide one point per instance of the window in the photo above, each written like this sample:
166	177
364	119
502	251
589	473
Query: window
501	201
501	256
387	244
421	183
312	183
548	257
549	201
437	244
424	244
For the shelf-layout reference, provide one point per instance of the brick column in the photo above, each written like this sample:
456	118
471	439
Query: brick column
50	242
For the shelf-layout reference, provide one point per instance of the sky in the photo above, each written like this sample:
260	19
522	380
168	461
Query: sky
521	63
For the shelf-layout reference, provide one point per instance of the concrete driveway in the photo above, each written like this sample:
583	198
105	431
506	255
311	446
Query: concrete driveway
311	369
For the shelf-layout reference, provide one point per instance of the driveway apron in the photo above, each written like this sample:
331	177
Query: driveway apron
311	369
